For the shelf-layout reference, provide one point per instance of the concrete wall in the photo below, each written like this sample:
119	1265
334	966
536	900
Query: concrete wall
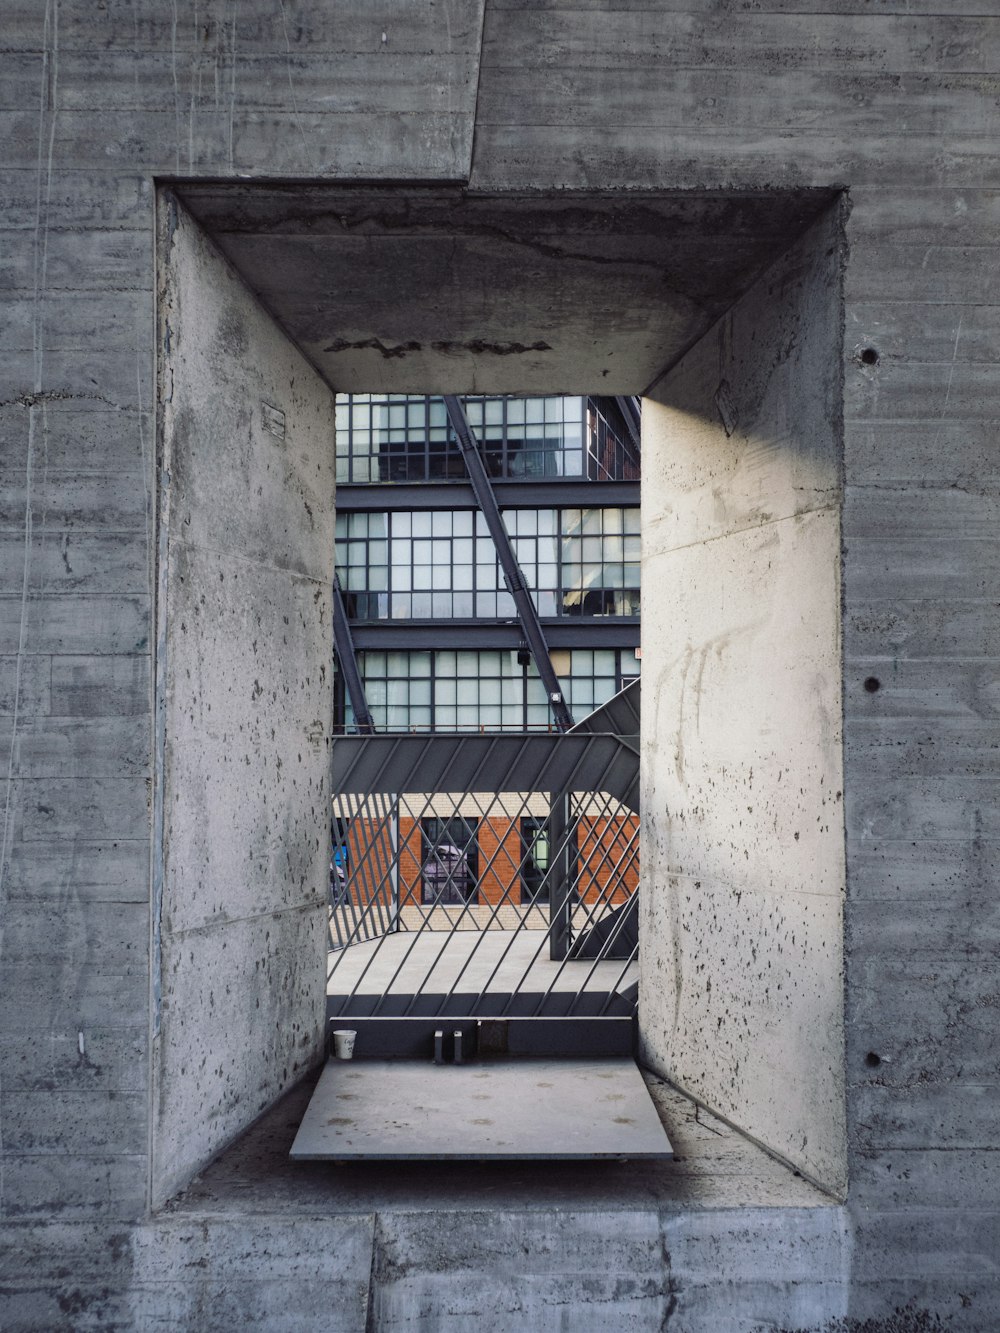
890	100
244	708
741	972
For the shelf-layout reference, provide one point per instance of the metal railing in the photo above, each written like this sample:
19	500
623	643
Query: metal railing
487	874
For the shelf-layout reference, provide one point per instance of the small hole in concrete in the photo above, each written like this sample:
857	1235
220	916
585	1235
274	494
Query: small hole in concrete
873	684
872	1060
868	356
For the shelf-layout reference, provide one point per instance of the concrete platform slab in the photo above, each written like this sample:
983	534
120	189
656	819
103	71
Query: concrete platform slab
495	1110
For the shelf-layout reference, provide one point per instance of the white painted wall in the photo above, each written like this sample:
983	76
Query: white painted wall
245	708
741	939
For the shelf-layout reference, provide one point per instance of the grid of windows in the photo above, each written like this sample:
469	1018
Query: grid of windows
443	565
488	689
610	454
402	438
535	851
599	557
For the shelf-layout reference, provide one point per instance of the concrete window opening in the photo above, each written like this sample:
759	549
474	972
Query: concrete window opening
724	311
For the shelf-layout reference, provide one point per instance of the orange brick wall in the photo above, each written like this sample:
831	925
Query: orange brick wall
601	844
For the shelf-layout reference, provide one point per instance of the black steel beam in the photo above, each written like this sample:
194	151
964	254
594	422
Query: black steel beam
564	493
526	611
347	661
418	635
631	412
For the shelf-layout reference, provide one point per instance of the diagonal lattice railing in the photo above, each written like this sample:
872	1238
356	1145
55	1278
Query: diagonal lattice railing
486	871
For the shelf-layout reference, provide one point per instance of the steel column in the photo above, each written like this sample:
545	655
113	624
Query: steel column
629	408
527	613
344	645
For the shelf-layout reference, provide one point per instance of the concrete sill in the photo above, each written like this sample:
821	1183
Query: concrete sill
714	1168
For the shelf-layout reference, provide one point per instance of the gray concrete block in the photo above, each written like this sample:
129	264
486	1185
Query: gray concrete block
25	685
67	1122
962	1301
78	562
892	106
63	501
778	368
662	157
62	808
409	146
85	260
104	747
89	138
585	38
229	361
958	1114
893	629
111	934
935	513
921	746
291	1305
925	1177
113	1059
384	81
721	1282
910	333
949	452
110	198
926	1246
958	807
101	376
910	214
960	273
708	96
65	991
919	933
78	322
143	26
101	686
910	568
83	438
96	870
333	1249
742	983
502	1272
924	869
85	624
961	390
74	1187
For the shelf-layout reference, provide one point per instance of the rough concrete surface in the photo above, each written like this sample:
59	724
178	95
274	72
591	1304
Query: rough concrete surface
741	955
892	103
244	708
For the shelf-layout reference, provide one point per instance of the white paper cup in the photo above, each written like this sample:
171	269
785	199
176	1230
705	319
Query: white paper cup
343	1044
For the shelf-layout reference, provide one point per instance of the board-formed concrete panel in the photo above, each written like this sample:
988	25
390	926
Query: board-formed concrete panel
447	290
244	686
741	935
885	99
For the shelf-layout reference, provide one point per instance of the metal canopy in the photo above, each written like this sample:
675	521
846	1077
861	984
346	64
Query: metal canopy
437	762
